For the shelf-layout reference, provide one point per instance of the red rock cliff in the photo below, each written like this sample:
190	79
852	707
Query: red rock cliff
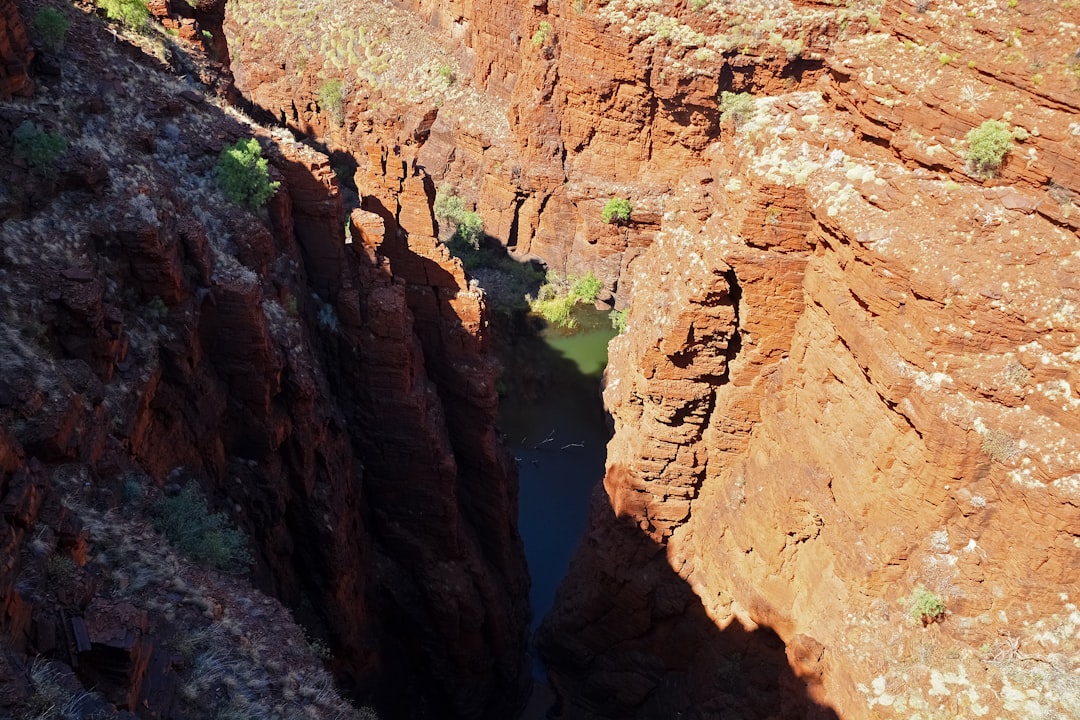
848	373
849	376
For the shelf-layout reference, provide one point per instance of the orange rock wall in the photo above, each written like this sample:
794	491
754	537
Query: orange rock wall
851	377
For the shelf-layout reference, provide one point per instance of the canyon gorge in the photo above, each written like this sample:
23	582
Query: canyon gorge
843	479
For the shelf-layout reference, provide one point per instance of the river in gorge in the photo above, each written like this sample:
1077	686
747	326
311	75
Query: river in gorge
559	437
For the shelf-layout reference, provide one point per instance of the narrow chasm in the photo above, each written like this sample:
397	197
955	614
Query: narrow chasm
552	420
306	406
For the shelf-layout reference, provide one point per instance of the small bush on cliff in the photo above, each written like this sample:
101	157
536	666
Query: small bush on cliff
616	210
618	320
51	26
468	225
542	34
987	146
243	176
132	13
330	99
201	535
40	150
926	607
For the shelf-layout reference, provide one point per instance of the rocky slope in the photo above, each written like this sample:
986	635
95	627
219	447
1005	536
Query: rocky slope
313	378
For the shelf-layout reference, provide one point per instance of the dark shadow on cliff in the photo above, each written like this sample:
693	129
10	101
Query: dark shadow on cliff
628	638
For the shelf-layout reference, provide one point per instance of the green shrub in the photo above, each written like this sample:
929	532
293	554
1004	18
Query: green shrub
243	176
542	34
556	298
39	149
470	229
448	205
616	210
205	537
447	73
557	310
926	607
987	147
586	289
468	225
330	98
618	320
132	490
736	107
132	13
51	26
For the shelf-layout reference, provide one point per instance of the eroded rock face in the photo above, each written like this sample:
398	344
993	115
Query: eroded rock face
537	114
848	372
331	393
851	377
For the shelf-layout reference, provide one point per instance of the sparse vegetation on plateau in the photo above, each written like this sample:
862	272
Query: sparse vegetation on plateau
987	146
243	175
39	149
468	225
203	536
52	27
53	697
616	210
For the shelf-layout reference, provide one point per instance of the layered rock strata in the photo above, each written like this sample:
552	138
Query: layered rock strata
847	382
804	342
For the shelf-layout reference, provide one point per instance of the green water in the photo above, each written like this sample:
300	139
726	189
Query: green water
586	345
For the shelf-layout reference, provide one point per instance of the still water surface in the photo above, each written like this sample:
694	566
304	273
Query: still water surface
559	440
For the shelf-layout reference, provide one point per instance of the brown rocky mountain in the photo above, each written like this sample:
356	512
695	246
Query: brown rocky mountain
843	481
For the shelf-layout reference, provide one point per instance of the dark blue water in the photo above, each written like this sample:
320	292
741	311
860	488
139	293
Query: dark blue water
559	440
